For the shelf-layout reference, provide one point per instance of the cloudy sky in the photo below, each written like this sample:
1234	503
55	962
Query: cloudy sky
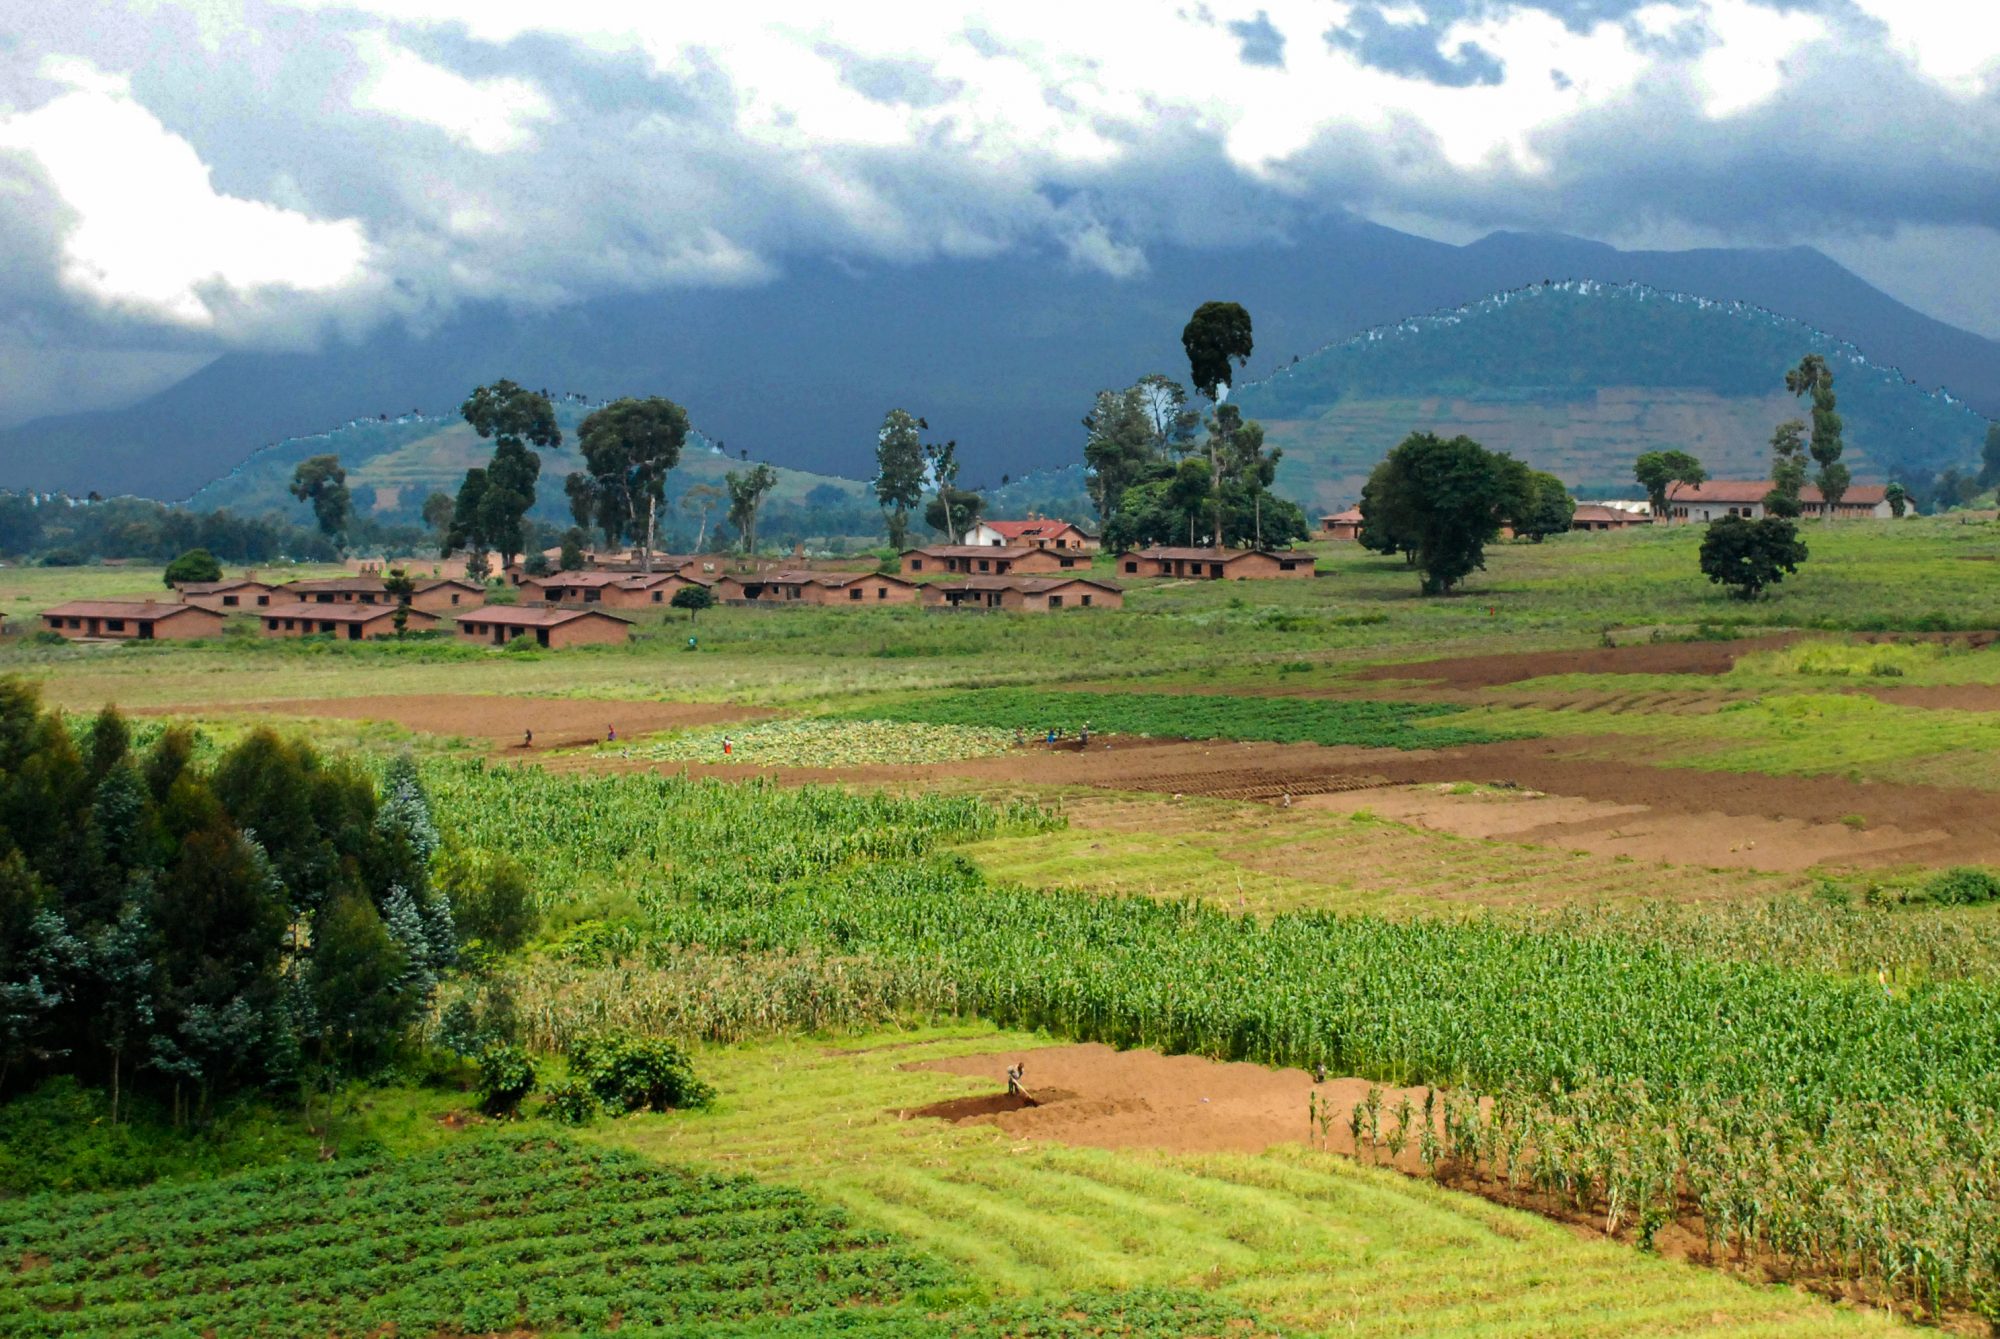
182	178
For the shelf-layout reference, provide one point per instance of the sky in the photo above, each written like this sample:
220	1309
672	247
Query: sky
182	179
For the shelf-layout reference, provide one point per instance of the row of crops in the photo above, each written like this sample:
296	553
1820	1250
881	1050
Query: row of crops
1823	1120
499	1233
579	833
1279	720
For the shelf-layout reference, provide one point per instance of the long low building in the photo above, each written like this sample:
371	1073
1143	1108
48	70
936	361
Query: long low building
499	624
1602	516
613	590
132	620
1214	564
816	588
433	594
989	560
350	622
1026	594
229	596
1691	503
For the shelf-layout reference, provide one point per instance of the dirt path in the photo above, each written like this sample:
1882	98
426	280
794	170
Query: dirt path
558	722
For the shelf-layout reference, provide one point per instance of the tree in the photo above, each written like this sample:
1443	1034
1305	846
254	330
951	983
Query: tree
466	531
194	565
746	495
1788	469
899	472
1813	377
1898	499
700	500
1550	508
437	512
628	448
1445	500
694	599
1217	334
965	508
515	418
1386	528
1659	472
321	482
1118	449
401	587
1163	402
1748	556
1989	458
570	559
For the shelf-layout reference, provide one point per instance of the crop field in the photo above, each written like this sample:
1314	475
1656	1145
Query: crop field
1679	944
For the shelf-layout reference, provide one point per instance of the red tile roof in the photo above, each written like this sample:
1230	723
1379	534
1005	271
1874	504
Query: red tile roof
218	587
973	551
1740	491
1016	529
1205	555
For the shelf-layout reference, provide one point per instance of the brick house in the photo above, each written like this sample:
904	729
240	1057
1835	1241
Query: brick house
498	625
226	596
1598	516
1215	564
613	590
1035	533
132	620
1025	594
432	594
1690	504
985	560
1341	524
815	588
348	622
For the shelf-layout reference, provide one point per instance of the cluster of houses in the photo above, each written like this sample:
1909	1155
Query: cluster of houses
1687	504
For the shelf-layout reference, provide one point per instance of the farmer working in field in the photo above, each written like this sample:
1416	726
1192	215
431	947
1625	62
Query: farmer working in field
1014	1075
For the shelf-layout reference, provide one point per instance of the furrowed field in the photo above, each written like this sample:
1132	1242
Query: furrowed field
1586	954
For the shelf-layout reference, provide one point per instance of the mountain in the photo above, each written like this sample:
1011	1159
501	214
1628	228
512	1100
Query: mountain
1578	378
1002	353
393	464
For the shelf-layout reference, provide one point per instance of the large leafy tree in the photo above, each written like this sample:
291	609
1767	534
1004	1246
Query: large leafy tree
1660	472
747	490
628	448
322	483
1814	378
1118	449
1550	509
194	565
1749	556
1444	501
516	419
899	472
1217	335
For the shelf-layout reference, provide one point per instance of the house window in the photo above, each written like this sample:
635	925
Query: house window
916	564
76	623
229	601
1067	562
454	598
326	627
592	596
854	594
1086	602
1215	569
985	566
114	625
1132	567
881	592
1055	601
659	596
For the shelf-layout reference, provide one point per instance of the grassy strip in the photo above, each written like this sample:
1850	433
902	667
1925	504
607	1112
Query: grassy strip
1192	716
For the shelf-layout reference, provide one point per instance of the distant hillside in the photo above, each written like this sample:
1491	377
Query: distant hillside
394	464
1578	378
1002	352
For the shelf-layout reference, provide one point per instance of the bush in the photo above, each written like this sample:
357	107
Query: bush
1748	556
572	1102
1961	887
506	1077
639	1074
194	565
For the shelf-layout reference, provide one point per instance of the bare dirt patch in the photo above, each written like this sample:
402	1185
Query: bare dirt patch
557	722
1642	658
1093	1095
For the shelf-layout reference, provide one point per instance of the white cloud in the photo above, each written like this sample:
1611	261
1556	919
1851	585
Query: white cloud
146	231
490	115
1955	42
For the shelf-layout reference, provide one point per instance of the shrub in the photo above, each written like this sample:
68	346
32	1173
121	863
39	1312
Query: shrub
491	899
639	1074
572	1102
506	1077
194	565
1961	887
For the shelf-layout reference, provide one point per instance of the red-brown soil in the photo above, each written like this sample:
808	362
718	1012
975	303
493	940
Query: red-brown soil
1639	658
1094	1095
558	722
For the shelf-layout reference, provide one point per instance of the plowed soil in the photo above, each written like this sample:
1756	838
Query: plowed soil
558	722
1640	658
1103	1098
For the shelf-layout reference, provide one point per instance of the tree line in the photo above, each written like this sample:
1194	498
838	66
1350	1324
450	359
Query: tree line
191	929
